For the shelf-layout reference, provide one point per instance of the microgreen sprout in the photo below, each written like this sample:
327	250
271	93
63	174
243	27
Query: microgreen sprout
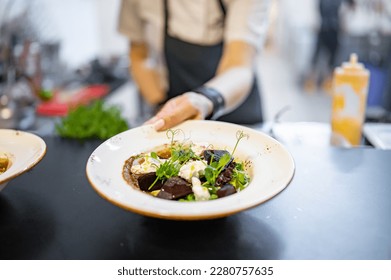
239	136
172	133
165	171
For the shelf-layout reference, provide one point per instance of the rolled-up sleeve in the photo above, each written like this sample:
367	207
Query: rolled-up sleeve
130	22
247	20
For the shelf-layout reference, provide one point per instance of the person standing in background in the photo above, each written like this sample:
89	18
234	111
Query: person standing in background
196	58
326	45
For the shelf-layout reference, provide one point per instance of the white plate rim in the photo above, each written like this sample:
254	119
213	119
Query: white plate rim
29	164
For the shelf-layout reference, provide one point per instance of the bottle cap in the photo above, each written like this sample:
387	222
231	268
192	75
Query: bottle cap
353	63
352	67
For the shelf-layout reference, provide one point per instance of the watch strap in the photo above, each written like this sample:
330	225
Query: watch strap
217	100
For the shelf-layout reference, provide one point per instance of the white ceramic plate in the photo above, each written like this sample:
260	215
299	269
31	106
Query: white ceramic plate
24	150
271	170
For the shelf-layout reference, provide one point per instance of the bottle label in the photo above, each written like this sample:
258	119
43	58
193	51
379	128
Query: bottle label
347	102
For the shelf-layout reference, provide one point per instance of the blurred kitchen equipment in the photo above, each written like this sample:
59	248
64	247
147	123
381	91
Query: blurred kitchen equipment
7	110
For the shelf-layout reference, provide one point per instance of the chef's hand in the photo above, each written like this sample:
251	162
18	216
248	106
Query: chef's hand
187	106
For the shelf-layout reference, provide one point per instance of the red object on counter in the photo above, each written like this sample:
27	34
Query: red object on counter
61	102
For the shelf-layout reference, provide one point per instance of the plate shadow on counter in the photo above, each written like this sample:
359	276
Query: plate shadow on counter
236	237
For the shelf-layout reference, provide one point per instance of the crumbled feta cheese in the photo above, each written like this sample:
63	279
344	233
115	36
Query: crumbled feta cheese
192	169
198	148
200	192
148	164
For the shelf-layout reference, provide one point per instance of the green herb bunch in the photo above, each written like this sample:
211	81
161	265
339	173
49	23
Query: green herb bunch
94	121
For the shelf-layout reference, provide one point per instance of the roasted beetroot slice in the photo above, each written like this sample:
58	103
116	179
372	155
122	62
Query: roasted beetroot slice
226	175
216	154
226	190
175	186
165	195
146	180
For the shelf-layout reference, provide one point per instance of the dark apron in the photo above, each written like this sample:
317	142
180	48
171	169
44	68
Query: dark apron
190	66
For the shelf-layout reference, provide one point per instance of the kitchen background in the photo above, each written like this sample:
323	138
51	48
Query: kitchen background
50	44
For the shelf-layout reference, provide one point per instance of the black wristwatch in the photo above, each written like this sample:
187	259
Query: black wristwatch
216	98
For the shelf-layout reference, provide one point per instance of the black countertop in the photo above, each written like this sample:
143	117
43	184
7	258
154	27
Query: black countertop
338	206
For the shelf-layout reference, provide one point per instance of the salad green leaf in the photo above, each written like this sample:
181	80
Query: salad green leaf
213	170
240	179
165	170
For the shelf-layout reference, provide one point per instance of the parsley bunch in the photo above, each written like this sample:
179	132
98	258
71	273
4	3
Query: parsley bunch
92	121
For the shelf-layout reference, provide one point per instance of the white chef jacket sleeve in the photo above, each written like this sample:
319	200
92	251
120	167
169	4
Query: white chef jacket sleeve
130	22
247	20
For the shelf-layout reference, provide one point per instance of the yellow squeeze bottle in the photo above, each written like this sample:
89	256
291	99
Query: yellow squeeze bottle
350	89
